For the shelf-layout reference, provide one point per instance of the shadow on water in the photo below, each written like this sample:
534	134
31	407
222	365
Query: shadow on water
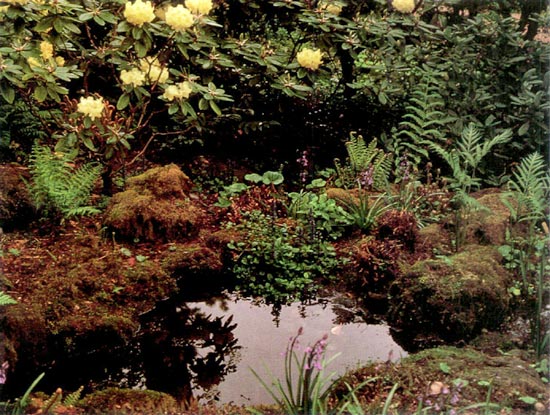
185	351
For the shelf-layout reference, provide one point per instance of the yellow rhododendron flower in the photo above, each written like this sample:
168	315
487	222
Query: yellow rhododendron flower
310	59
46	50
178	91
153	70
178	18
60	60
134	77
403	6
16	1
199	6
33	61
330	7
139	12
90	106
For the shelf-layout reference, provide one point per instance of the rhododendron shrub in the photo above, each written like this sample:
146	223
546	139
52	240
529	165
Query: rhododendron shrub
166	70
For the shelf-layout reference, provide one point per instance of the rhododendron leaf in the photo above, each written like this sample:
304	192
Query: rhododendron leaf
215	108
40	93
88	143
123	102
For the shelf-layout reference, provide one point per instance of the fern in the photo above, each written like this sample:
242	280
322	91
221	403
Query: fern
529	189
364	158
463	161
58	187
6	299
425	120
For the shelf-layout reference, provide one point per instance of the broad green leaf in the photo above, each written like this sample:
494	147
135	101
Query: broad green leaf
123	101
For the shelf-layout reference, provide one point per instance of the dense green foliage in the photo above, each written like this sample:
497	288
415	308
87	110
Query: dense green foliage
280	262
405	78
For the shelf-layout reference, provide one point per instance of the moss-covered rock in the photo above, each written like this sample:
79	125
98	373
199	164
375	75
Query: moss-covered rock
450	298
155	206
16	208
198	269
116	401
487	226
450	377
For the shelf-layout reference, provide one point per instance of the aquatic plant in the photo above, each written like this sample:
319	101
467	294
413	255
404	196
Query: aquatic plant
305	389
279	261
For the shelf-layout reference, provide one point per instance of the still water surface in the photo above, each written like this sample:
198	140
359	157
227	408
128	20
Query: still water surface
263	341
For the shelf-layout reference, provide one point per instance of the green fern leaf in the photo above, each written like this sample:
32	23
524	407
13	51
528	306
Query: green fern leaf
6	299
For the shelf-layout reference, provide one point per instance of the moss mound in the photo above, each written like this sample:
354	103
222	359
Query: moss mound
77	307
16	208
116	401
450	377
155	206
450	299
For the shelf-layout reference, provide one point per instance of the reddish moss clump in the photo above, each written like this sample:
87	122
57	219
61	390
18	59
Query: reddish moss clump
155	206
116	401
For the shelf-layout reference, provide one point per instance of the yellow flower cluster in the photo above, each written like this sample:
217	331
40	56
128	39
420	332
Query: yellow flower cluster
330	7
139	12
32	61
178	18
403	6
90	106
310	59
178	91
46	50
134	77
199	6
153	70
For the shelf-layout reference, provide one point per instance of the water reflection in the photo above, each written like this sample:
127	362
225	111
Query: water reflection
185	350
263	338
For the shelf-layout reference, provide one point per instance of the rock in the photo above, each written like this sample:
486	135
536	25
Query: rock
156	205
450	299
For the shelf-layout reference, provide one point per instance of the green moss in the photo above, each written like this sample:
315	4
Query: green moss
452	298
511	377
116	401
166	181
192	257
154	206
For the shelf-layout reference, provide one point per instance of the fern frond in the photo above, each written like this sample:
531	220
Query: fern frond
529	186
58	186
367	157
73	398
6	299
426	119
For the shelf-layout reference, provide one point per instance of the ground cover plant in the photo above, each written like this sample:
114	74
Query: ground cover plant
281	150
